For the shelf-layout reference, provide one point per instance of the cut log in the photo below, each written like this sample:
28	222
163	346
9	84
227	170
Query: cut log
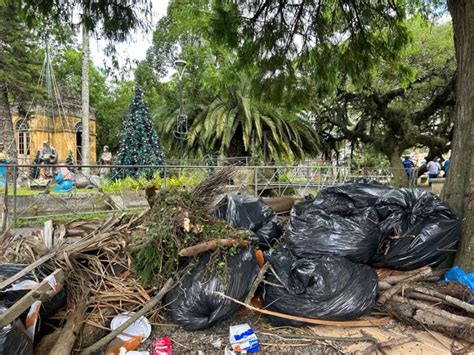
280	204
211	245
71	330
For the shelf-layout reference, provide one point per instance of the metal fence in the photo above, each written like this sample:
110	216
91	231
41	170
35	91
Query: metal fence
31	191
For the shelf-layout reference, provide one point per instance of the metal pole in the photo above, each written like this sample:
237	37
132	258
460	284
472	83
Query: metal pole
255	175
15	178
164	176
5	214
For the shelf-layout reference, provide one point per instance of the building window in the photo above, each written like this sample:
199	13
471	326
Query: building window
23	131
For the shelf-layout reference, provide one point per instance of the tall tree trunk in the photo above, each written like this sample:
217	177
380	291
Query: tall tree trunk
459	191
85	95
399	176
7	134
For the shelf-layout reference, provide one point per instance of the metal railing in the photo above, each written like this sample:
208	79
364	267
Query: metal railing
115	188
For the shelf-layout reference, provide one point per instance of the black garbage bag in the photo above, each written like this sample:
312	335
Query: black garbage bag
321	287
418	229
250	213
342	230
8	296
193	303
13	340
359	193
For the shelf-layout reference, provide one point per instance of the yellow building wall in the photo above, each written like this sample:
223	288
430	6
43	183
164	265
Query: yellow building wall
62	134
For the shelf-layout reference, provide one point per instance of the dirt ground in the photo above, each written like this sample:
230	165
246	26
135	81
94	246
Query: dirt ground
290	340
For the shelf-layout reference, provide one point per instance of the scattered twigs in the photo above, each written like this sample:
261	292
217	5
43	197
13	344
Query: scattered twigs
285	336
423	272
146	308
211	245
258	280
387	344
355	323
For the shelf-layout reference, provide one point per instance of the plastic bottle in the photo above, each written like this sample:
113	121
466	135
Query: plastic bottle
117	343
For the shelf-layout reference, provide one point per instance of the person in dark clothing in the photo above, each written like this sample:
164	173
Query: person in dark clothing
408	164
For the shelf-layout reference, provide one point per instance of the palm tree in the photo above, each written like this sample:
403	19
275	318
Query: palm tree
237	125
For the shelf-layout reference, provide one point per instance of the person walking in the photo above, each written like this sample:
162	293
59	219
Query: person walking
433	169
408	164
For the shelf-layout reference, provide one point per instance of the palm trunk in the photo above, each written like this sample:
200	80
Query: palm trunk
7	134
459	191
85	96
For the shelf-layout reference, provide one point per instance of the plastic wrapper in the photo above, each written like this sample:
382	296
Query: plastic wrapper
322	287
342	230
250	213
193	303
417	228
13	340
458	275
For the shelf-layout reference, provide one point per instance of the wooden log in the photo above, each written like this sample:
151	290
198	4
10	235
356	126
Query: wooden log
210	245
67	338
423	297
26	270
146	308
42	292
423	272
280	204
383	285
355	323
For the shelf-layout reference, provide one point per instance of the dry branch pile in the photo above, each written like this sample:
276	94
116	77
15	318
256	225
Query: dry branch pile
417	299
117	264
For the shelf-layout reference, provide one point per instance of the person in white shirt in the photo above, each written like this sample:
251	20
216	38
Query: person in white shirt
433	168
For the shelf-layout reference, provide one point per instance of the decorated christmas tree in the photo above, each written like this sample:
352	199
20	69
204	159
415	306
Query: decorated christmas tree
139	144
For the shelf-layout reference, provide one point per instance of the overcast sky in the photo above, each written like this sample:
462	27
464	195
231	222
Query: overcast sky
135	48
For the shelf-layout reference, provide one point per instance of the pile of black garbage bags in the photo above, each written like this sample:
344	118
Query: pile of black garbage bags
322	264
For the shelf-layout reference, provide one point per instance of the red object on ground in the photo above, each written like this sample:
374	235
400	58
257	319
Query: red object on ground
162	346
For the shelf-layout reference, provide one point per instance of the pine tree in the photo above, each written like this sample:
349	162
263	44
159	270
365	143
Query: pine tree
139	144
